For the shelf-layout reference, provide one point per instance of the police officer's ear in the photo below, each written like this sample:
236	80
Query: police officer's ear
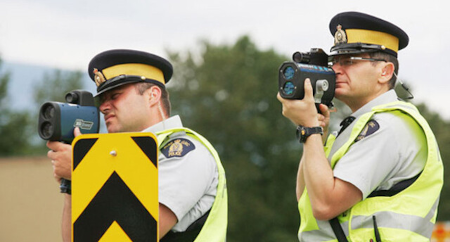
387	71
154	94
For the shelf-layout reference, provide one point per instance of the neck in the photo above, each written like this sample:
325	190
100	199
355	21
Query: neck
357	102
157	115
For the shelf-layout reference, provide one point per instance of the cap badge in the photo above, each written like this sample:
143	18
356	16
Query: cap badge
340	37
99	78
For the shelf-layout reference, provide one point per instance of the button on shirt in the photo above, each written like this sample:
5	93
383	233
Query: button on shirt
187	184
391	154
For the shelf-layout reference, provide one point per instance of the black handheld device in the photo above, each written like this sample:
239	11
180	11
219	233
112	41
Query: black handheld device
57	121
312	65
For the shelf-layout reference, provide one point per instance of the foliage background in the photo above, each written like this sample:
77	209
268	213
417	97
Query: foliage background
226	92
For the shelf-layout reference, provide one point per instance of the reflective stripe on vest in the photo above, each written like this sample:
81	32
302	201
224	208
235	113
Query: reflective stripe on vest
406	216
215	227
419	225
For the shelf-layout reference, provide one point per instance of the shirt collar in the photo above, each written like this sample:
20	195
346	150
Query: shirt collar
170	123
387	97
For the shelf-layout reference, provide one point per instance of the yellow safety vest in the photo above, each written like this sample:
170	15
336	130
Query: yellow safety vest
215	227
407	216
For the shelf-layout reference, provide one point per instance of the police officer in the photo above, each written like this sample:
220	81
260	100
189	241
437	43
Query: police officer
379	178
192	186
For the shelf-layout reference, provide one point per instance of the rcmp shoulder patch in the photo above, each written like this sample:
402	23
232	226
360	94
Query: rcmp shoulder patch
177	148
371	127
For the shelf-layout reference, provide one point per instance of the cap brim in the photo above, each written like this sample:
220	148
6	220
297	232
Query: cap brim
358	48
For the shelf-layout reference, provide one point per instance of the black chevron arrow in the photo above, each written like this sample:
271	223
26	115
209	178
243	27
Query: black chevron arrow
149	147
115	202
82	147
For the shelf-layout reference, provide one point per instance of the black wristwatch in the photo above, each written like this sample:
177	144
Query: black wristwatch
305	132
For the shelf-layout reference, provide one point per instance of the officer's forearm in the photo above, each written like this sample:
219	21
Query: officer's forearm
317	173
329	196
66	225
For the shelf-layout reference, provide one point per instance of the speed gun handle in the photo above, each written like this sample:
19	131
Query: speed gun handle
65	186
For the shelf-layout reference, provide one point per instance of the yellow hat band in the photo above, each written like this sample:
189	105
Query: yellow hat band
135	69
372	37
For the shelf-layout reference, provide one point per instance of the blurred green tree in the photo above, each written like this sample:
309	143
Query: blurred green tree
55	85
228	94
14	125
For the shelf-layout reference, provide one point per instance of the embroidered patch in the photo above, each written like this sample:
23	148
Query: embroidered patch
371	127
177	148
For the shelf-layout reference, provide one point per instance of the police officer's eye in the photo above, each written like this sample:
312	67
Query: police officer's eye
342	61
345	62
114	96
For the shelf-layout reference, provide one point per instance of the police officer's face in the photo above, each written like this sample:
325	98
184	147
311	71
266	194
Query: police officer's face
356	79
125	110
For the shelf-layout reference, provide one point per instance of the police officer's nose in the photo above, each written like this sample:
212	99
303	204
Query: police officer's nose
105	107
337	68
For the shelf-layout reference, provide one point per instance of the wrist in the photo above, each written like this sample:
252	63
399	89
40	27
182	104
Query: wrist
304	132
66	186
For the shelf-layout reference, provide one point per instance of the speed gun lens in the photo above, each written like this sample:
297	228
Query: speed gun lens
289	88
289	73
47	130
49	112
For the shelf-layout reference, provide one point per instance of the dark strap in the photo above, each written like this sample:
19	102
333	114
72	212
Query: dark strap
190	234
345	123
396	188
337	229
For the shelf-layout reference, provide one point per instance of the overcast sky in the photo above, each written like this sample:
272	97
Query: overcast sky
67	34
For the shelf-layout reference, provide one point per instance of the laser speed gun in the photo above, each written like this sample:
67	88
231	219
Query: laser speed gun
57	121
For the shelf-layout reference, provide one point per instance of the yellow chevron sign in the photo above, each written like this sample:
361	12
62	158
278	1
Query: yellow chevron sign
115	187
